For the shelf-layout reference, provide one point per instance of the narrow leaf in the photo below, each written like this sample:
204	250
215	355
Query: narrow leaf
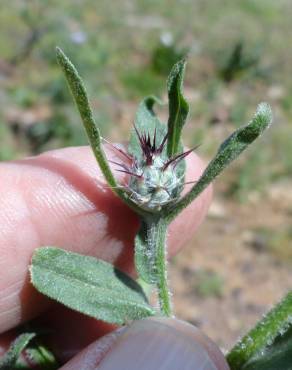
229	150
144	252
9	361
146	121
88	285
81	99
80	96
151	235
269	344
41	357
278	356
178	108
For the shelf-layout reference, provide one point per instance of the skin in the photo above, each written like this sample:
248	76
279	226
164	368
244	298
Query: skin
59	198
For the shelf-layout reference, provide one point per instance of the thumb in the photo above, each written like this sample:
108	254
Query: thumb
152	344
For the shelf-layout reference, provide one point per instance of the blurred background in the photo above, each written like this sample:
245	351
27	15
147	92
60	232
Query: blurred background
239	54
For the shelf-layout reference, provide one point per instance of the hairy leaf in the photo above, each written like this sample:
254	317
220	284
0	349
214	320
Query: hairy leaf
145	245
81	99
229	150
277	356
268	346
147	241
88	285
9	361
178	108
150	257
146	121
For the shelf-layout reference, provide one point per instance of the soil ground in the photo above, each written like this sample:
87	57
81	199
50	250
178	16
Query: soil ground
228	276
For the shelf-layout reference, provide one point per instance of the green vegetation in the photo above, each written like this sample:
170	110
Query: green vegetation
122	53
208	284
125	52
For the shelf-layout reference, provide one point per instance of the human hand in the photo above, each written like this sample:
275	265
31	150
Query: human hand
60	199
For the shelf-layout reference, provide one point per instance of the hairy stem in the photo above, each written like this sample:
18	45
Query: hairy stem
161	269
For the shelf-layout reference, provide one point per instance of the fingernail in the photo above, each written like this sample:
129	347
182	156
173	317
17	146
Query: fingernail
158	345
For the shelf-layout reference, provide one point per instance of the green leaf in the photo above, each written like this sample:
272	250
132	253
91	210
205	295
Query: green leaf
229	150
146	121
81	99
41	357
9	361
88	285
145	244
150	257
277	356
178	108
268	346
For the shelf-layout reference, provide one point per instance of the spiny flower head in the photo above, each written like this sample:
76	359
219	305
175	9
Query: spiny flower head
153	180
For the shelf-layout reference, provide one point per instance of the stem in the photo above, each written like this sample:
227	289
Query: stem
161	268
275	323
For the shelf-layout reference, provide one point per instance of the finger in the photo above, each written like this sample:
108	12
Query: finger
70	331
60	198
152	344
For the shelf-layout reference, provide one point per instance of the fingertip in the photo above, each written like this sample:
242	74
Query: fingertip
159	343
